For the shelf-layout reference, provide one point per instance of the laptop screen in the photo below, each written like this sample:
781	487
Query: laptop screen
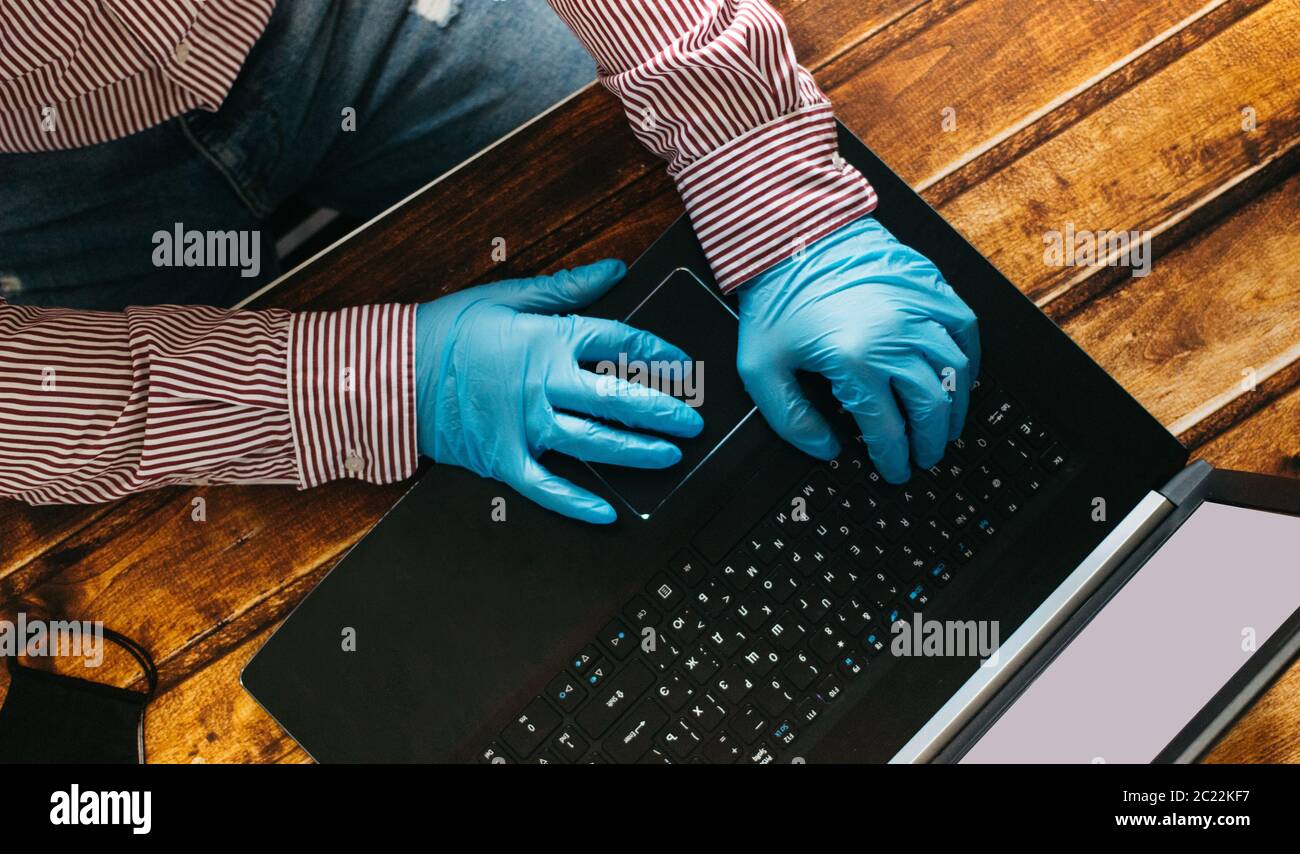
1215	592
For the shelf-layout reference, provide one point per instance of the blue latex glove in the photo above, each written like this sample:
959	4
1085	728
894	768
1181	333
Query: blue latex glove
877	319
495	368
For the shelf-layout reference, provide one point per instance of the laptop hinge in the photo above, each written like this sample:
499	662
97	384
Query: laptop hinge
1186	483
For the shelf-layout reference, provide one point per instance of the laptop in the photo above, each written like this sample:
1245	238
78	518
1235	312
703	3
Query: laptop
1095	598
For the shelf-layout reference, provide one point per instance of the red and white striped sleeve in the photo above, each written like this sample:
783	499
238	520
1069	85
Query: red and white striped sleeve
714	88
97	405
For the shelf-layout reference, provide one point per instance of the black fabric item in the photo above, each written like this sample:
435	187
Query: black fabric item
52	718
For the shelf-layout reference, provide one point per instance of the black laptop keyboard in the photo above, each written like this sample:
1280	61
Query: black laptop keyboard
745	656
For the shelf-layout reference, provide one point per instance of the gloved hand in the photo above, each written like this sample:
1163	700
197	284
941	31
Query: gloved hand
878	320
494	366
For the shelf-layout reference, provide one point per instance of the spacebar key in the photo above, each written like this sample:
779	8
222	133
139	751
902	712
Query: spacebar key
620	692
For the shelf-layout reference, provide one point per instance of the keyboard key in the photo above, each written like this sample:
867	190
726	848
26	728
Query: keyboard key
726	638
565	693
986	484
530	729
685	626
807	711
874	642
849	666
664	592
712	598
829	643
655	756
750	725
787	631
662	653
854	615
674	691
760	658
780	584
597	673
763	544
812	606
1032	432
759	754
803	670
584	659
734	684
850	463
817	489
1029	481
723	749
784	734
965	550
829	689
997	413
493	754
618	694
862	504
706	712
700	665
680	739
688	567
618	639
917	597
635	733
958	511
1010	455
1053	459
568	745
939	573
739	570
1009	504
640	613
754	609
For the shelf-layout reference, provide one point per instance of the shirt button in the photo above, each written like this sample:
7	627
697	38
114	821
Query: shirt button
10	285
182	52
353	464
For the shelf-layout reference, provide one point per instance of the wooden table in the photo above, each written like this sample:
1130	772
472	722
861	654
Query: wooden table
1180	118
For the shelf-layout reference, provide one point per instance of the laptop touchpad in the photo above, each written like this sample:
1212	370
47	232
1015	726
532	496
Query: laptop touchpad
690	314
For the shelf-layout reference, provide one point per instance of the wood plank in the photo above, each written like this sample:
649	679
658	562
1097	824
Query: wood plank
1268	442
1211	315
1149	157
209	719
997	66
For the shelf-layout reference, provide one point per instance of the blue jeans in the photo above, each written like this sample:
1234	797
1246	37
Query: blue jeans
77	228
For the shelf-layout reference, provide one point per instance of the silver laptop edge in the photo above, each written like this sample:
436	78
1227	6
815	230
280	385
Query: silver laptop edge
1034	632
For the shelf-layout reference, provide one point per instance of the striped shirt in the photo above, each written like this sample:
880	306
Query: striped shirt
96	405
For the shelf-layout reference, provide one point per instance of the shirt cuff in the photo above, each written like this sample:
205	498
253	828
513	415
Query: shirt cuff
768	193
352	394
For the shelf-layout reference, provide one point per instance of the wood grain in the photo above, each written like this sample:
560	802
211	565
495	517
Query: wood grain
1149	157
1211	313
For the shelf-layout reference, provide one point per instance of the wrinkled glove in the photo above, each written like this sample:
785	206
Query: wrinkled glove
498	383
878	320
